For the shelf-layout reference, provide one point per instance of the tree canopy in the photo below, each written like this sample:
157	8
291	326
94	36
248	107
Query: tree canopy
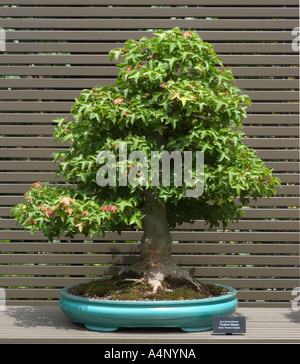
172	94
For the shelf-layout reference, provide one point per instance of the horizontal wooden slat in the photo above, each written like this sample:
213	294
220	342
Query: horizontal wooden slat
134	248
71	95
272	143
148	2
27	177
50	177
270	131
104	59
76	47
49	166
264	295
45	153
253	213
66	106
147	23
246	283
112	71
162	12
260	119
36	153
272	201
249	131
29	141
89	83
281	260
76	270
124	35
194	260
50	142
254	225
261	71
176	235
277	154
64	281
22	188
151	12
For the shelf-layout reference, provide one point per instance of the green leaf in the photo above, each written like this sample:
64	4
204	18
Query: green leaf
219	104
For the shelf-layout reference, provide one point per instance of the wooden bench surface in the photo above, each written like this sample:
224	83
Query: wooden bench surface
47	324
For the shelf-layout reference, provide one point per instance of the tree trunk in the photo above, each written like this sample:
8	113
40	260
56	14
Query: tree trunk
157	242
155	263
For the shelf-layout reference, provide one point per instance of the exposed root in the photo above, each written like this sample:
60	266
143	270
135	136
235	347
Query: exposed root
156	276
155	281
135	281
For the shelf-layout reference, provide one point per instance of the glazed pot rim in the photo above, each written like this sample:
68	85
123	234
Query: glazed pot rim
231	294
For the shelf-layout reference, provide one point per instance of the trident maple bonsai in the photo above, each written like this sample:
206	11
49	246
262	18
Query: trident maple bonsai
172	94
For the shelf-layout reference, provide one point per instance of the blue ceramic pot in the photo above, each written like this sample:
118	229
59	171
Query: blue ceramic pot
109	315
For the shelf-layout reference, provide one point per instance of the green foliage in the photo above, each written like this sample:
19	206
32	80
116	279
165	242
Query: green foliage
56	210
172	93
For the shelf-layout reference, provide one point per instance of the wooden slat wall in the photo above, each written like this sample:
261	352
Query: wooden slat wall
55	48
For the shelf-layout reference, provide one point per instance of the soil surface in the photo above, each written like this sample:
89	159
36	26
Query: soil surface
134	289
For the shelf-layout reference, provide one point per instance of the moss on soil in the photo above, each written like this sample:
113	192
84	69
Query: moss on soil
132	290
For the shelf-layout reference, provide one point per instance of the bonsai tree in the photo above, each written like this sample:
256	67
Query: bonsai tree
172	95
